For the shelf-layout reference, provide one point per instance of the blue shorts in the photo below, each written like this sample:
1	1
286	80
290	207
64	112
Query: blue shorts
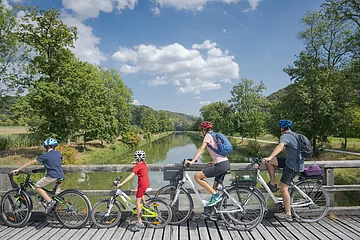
288	174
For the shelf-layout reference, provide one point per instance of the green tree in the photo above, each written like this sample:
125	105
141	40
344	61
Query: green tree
249	103
221	115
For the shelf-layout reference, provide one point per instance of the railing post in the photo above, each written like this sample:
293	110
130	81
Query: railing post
4	183
329	175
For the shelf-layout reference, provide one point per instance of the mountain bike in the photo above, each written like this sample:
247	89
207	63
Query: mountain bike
239	208
72	208
309	200
106	213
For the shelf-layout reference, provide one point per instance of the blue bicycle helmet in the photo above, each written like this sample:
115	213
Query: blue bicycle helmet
285	123
50	142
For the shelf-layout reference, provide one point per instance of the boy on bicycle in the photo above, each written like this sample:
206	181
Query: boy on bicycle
292	164
219	165
141	170
52	162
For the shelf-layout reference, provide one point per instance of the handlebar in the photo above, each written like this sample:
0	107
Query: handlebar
188	164
257	160
28	172
117	181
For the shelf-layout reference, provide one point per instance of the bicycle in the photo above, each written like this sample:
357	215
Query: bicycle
309	200
239	209
72	208
107	212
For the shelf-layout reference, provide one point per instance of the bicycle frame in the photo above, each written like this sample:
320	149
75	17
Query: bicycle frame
186	178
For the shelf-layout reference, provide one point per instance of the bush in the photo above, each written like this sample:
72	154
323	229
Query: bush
130	138
69	154
13	141
253	148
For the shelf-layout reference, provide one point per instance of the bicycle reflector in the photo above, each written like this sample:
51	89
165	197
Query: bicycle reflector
155	204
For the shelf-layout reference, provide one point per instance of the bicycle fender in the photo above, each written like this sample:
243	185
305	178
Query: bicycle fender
73	190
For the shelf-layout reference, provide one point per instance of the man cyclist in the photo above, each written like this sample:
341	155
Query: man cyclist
292	164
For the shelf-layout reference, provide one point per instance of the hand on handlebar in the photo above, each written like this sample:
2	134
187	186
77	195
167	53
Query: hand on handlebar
15	172
266	160
187	162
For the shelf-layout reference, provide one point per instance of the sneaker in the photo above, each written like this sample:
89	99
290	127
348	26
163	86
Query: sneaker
214	200
273	188
284	216
137	227
50	206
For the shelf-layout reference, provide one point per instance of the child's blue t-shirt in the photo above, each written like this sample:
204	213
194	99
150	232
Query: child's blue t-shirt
52	162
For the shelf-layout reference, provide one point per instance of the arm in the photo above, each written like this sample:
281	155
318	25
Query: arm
276	151
126	179
16	171
198	153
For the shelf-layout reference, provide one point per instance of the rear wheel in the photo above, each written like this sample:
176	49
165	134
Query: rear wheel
102	217
72	208
157	213
15	208
302	208
249	216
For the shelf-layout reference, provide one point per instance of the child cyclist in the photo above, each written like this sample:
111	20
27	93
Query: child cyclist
141	170
52	162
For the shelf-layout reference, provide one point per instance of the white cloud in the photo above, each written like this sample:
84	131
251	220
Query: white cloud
253	5
205	45
156	11
190	70
194	5
136	102
204	102
86	45
6	4
224	30
85	9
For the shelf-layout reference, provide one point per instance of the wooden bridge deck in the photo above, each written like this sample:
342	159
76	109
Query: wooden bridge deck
340	227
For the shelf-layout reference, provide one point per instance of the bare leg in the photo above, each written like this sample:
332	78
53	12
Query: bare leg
284	189
199	178
43	194
215	185
143	199
138	209
271	169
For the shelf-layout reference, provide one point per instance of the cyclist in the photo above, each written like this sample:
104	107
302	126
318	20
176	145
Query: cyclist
292	164
219	165
52	162
141	170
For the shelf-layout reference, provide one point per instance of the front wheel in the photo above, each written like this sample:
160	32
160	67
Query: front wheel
105	215
156	213
241	208
303	209
182	208
72	208
15	208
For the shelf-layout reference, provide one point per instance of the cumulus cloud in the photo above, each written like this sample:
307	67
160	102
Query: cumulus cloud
204	102
156	11
253	5
136	102
85	9
190	70
194	5
86	45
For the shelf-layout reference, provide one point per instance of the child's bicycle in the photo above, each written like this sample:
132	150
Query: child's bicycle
106	213
72	208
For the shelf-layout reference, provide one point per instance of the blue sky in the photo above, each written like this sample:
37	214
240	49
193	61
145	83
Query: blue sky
179	55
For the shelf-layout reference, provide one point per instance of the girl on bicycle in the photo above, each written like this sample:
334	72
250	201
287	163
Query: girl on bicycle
219	165
141	170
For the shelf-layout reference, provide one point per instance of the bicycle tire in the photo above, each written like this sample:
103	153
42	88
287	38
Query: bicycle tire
68	212
252	204
16	213
182	209
99	211
163	210
314	212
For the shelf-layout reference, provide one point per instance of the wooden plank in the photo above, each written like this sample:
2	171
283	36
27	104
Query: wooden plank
356	218
264	232
213	232
283	231
193	230
183	231
42	232
354	225
116	232
158	234
223	231
3	227
318	234
308	234
61	233
79	234
14	231
323	230
270	228
68	234
53	232
203	232
127	234
338	229
89	233
148	234
299	235
33	231
139	234
100	232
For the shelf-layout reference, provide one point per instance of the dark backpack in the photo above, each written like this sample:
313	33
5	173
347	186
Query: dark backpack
224	145
304	145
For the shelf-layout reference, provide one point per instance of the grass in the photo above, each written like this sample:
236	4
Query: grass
13	129
353	144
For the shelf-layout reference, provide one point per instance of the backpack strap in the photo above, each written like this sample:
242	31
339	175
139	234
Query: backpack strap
214	149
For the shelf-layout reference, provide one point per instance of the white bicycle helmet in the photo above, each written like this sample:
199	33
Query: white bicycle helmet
139	155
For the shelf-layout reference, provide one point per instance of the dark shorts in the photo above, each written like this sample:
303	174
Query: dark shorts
288	174
217	170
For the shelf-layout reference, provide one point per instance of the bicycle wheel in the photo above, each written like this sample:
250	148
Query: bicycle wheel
249	216
72	208
161	209
15	208
104	219
182	208
302	208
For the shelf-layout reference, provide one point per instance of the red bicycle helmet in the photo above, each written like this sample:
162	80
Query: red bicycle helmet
206	125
